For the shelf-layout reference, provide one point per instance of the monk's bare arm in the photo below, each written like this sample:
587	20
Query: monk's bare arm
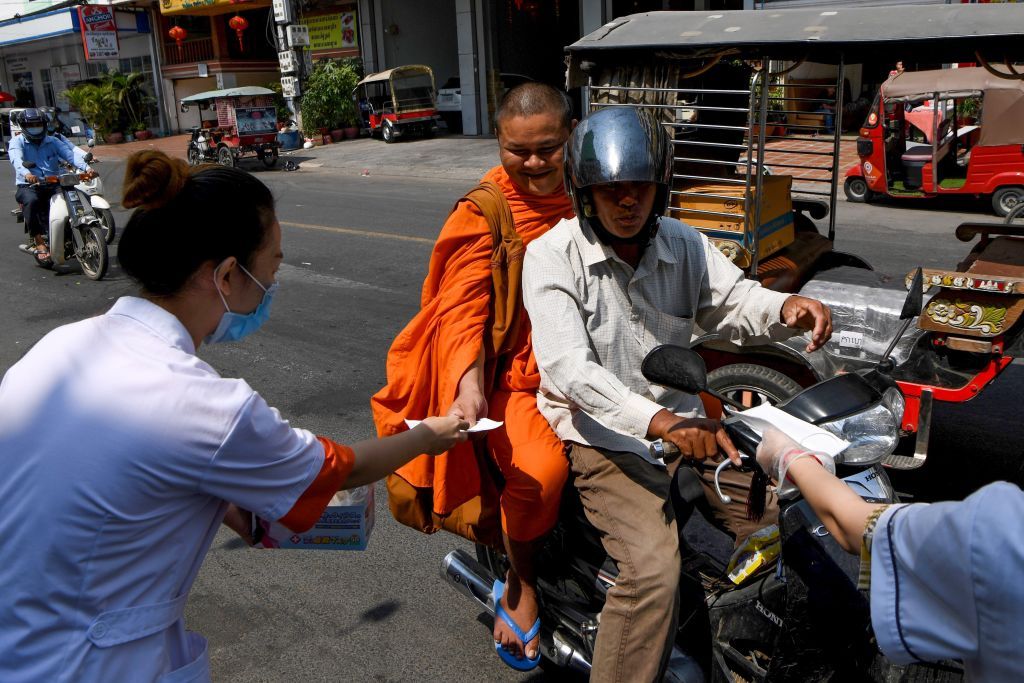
471	403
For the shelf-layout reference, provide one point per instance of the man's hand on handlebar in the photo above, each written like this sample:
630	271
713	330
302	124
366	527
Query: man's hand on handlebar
697	438
31	179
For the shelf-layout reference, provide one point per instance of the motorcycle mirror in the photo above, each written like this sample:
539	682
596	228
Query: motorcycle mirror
915	298
676	367
911	309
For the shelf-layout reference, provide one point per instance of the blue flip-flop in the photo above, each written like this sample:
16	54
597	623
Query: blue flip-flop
524	664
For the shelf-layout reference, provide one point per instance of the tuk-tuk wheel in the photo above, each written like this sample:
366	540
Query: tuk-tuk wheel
269	160
225	157
1006	199
387	131
856	190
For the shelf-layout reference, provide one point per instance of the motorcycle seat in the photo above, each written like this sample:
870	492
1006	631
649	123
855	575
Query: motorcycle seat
917	153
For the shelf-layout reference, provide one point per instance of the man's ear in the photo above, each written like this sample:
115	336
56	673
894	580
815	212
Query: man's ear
572	126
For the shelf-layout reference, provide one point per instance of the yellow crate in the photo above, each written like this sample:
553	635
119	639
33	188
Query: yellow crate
776	215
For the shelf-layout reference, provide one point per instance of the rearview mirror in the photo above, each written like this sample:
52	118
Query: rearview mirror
915	298
676	367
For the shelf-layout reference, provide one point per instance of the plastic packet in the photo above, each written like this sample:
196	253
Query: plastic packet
758	551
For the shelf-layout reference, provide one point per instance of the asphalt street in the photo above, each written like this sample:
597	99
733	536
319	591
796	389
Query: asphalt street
356	250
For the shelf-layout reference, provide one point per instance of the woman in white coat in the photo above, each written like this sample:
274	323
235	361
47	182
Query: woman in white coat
116	473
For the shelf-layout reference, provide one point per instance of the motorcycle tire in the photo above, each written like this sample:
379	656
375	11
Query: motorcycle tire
387	131
1005	200
269	160
1016	215
752	385
225	157
856	190
193	156
93	257
106	217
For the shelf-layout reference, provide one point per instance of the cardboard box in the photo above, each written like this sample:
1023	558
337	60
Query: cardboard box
345	525
776	230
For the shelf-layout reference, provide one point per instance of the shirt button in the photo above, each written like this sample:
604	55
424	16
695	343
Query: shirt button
98	630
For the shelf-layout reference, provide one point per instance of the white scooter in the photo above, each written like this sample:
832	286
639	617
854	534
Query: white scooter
75	229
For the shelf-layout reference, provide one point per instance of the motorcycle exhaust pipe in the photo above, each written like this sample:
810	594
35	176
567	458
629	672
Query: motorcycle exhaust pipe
470	578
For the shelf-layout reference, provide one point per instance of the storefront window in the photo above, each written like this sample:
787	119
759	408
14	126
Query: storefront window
24	89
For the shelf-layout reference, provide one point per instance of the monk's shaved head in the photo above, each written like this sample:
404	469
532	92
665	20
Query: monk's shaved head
531	99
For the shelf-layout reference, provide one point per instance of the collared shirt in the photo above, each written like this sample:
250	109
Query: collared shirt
595	318
45	154
947	582
119	451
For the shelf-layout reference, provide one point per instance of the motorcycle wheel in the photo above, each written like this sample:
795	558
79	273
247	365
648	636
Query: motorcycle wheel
752	385
93	256
106	217
387	131
1016	215
225	157
269	160
856	190
193	156
1005	200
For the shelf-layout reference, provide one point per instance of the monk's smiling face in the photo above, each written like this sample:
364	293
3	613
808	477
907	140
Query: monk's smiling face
531	151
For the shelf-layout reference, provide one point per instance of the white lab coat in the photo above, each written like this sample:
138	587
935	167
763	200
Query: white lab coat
119	450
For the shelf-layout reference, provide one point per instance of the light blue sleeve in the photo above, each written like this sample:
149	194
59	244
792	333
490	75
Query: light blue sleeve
264	465
64	151
16	155
940	572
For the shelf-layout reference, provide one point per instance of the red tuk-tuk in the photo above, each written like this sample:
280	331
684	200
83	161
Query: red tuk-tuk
398	102
956	156
245	123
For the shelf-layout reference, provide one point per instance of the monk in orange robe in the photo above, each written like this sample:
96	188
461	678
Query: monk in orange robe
437	363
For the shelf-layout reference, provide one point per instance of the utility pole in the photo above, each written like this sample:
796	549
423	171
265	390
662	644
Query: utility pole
294	59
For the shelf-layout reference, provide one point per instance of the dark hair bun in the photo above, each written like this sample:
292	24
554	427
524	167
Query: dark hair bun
152	179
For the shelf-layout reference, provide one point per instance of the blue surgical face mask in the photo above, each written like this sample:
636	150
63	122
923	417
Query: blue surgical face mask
235	326
35	130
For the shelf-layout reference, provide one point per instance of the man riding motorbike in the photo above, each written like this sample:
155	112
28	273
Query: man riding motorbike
56	129
43	154
602	290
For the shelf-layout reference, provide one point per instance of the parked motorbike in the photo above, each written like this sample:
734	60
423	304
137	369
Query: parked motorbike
798	618
75	230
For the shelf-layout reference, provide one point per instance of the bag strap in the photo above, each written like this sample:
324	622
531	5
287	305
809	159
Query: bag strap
506	263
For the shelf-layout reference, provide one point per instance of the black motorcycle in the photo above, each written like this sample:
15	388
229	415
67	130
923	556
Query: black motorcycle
799	618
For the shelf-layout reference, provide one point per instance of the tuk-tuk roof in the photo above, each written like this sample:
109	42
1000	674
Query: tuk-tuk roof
916	85
941	33
244	91
397	71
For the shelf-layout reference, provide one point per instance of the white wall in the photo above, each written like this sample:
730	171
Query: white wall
426	34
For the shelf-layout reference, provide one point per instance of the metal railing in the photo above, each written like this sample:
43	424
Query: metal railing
192	50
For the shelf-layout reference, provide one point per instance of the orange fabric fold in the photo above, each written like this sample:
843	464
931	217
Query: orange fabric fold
338	463
433	352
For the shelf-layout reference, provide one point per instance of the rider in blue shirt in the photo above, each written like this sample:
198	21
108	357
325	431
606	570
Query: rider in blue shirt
43	154
55	128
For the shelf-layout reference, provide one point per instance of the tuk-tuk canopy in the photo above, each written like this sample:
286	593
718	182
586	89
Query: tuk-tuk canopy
245	91
919	85
1002	108
398	72
937	33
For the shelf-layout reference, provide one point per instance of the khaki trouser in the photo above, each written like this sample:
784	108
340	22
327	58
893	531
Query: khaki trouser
627	500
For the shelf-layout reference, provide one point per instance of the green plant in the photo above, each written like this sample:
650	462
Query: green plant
116	102
327	100
968	107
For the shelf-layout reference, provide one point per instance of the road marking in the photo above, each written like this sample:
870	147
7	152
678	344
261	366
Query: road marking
359	233
289	272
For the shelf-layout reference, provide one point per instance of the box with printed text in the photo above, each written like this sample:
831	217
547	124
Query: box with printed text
346	524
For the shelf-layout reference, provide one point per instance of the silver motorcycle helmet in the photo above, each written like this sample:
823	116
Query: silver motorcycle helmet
618	144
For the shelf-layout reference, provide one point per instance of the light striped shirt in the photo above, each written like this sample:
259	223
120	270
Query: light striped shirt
594	319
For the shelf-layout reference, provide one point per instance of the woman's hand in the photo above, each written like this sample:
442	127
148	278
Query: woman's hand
439	434
778	452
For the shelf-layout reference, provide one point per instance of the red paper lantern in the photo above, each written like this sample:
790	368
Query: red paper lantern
177	34
239	24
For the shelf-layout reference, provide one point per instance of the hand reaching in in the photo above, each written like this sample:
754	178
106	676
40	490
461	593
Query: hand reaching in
441	433
778	452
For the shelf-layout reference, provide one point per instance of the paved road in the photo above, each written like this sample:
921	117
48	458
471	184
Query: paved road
356	250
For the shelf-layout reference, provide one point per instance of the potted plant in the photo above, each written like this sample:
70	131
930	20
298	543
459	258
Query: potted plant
327	102
116	102
141	132
967	111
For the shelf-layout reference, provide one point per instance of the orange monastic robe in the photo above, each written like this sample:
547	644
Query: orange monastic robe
433	352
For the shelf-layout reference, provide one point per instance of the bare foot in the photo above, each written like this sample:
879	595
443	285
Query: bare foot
520	602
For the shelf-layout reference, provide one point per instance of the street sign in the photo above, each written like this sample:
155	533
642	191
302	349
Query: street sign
290	86
298	35
287	61
283	12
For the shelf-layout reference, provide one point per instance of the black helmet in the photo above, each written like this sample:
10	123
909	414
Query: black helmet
33	124
618	144
51	119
